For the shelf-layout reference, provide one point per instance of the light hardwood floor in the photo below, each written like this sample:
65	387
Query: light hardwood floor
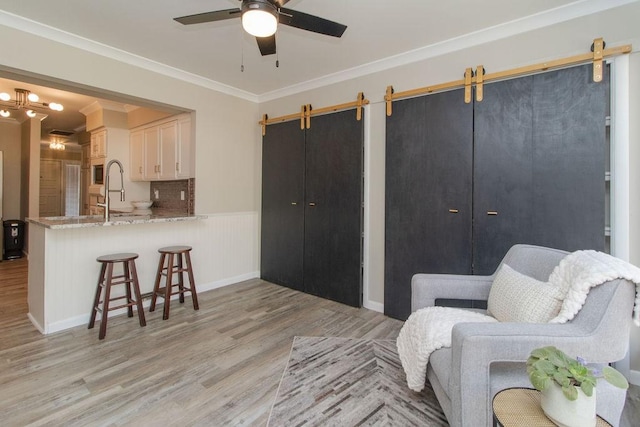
220	365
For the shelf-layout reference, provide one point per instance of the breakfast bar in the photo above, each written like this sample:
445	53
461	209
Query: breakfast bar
62	258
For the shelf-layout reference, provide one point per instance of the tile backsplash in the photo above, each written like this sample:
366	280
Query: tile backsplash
170	195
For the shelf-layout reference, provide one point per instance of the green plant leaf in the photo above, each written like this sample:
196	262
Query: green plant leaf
587	388
562	380
570	392
545	366
541	353
615	378
557	359
539	380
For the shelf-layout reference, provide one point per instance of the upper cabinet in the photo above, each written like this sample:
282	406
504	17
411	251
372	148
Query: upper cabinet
161	151
99	144
136	155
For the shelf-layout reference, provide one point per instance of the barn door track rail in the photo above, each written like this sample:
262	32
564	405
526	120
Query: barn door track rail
478	77
306	111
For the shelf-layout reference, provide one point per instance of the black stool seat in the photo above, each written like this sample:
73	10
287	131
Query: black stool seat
106	280
167	267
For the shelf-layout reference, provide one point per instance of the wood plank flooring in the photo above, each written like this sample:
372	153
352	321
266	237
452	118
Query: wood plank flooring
220	365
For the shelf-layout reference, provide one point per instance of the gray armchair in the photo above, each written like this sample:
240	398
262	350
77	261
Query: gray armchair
485	358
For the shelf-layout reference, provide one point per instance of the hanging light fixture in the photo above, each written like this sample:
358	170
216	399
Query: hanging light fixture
55	145
25	100
259	18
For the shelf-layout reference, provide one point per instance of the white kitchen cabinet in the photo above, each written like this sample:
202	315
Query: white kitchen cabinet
136	156
151	153
168	146
183	151
162	151
99	144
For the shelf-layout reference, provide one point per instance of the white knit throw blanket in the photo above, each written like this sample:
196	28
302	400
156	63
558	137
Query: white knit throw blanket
425	331
579	271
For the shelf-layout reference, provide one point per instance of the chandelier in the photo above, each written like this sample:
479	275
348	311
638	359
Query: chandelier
25	100
56	145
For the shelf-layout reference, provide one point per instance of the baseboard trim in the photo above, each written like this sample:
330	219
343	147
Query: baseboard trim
228	281
373	305
83	319
36	324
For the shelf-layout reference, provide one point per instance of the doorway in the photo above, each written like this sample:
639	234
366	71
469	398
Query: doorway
59	187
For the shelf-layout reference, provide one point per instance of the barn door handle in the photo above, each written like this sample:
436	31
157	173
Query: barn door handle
492	213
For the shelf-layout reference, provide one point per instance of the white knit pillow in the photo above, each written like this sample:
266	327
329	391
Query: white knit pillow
515	297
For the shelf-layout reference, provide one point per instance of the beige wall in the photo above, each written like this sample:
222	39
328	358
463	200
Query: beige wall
142	116
10	146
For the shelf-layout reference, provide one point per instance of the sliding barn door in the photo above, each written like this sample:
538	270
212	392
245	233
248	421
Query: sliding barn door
503	172
428	193
569	156
282	239
333	208
539	165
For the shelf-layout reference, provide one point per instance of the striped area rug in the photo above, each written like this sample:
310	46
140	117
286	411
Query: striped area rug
349	382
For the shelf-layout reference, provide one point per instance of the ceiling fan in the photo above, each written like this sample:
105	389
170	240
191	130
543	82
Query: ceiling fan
260	18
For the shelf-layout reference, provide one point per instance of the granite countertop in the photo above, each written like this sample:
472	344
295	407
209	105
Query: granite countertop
145	216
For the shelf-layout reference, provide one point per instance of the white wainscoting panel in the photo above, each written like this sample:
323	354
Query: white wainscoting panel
225	251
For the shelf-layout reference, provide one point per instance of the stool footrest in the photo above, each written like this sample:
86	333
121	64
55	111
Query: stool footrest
174	260
106	280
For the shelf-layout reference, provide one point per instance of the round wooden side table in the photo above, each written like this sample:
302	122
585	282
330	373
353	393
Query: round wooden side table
520	407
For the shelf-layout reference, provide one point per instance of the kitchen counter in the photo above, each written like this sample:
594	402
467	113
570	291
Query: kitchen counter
116	218
63	252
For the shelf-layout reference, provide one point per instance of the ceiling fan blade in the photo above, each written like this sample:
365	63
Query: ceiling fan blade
304	21
267	45
200	18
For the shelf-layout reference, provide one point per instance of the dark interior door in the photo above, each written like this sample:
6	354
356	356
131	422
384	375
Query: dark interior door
282	238
569	142
427	193
333	208
503	172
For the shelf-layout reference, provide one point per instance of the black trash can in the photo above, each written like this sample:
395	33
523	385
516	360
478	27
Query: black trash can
13	239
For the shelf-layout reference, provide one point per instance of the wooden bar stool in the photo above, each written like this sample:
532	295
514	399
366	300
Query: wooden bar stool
107	280
167	267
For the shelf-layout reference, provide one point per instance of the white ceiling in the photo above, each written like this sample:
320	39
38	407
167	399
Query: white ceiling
379	32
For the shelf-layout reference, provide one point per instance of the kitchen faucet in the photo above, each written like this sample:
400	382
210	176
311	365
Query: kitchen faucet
107	190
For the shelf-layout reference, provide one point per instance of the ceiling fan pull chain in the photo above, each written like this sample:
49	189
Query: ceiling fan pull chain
277	53
241	54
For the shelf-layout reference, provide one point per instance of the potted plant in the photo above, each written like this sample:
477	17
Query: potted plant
568	386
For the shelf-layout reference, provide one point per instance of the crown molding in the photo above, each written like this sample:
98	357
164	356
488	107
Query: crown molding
536	21
543	19
38	29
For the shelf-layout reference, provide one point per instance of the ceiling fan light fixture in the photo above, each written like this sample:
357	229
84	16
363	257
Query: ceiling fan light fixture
259	18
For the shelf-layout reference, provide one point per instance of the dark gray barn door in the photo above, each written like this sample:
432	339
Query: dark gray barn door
333	208
427	193
569	152
503	172
282	238
539	163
